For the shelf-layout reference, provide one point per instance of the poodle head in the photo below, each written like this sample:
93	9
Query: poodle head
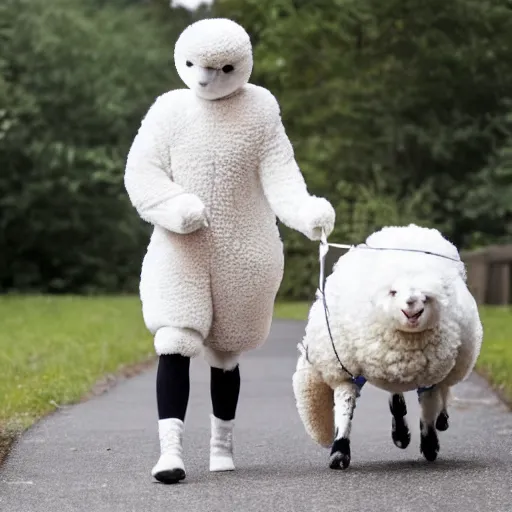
412	303
214	57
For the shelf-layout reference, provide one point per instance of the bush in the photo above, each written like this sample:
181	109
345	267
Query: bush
395	109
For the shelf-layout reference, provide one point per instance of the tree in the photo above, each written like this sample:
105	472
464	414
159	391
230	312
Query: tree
74	84
385	102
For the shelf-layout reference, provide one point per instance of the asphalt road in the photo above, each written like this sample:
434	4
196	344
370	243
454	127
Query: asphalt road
97	456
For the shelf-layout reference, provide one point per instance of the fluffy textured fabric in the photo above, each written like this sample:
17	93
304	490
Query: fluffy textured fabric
403	320
211	167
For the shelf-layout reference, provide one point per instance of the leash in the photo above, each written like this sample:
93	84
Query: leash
323	250
366	246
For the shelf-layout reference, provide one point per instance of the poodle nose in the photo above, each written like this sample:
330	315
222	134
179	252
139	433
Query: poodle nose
411	300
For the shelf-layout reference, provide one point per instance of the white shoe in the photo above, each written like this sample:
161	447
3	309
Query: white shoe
221	445
170	469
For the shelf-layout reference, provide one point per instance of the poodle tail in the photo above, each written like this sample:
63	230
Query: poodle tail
315	403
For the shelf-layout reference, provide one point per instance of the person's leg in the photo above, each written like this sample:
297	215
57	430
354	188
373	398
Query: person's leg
172	392
177	309
224	390
172	386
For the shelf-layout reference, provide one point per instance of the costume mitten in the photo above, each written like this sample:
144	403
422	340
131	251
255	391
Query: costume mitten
221	445
169	468
188	212
318	215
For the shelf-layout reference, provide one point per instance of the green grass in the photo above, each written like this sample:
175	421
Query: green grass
292	310
54	349
495	361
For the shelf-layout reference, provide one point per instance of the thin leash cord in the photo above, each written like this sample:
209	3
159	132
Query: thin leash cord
366	246
323	250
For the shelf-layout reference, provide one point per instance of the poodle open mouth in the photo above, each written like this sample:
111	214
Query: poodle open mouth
413	317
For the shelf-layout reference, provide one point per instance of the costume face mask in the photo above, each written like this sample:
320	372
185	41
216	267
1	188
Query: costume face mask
213	57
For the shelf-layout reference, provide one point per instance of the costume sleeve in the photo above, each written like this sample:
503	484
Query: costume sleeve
147	175
284	185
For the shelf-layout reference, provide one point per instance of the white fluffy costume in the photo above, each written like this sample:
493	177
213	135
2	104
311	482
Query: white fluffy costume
211	167
403	320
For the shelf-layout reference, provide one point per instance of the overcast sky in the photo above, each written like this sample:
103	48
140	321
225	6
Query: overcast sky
191	4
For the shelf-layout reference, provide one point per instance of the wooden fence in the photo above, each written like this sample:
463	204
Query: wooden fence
490	274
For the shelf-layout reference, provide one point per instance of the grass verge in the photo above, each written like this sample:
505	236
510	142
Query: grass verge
495	361
54	350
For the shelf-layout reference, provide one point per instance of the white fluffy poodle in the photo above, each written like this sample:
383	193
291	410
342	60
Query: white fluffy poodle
400	319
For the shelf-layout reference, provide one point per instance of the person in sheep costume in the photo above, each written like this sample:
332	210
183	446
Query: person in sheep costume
211	167
401	320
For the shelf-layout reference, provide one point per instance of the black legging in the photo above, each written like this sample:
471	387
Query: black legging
173	388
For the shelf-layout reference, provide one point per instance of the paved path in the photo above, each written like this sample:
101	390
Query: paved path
96	457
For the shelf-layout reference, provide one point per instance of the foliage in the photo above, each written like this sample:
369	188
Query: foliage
387	102
74	85
489	196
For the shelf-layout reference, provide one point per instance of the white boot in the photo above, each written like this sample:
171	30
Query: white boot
170	469
221	445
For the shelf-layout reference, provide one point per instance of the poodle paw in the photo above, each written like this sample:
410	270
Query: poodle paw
429	446
442	422
340	454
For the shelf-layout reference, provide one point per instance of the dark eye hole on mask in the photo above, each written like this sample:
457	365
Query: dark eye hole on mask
228	68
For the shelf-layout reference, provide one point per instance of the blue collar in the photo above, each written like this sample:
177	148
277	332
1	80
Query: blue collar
361	381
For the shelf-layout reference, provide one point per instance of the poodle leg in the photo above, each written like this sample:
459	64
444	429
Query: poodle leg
442	422
431	404
345	397
399	427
